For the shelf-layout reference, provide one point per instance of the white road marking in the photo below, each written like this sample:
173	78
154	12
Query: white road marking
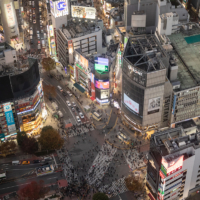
52	178
13	186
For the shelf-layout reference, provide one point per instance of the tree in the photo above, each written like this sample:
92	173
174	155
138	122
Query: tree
50	139
29	145
133	183
100	196
48	64
7	148
33	191
49	91
20	137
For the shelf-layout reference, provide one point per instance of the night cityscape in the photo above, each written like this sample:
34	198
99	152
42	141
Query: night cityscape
100	99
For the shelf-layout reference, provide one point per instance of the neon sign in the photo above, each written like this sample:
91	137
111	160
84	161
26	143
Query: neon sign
61	5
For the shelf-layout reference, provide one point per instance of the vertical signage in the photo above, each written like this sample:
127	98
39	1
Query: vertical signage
92	85
9	14
9	117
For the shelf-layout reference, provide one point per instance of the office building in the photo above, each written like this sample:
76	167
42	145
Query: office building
146	90
21	101
173	169
152	10
78	34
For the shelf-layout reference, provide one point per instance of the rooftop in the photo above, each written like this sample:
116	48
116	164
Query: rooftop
174	140
78	28
145	53
117	13
187	57
186	124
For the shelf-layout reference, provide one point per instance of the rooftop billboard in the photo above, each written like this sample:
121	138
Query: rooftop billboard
83	12
59	8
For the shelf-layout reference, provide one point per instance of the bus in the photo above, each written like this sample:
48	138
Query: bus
97	116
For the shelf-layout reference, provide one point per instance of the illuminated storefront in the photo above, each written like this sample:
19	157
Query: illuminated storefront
51	40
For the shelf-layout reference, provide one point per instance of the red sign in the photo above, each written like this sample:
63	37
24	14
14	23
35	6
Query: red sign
162	175
173	165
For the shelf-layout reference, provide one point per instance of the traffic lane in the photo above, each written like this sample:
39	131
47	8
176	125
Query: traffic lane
15	185
67	113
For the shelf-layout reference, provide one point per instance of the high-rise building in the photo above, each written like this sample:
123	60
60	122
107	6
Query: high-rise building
146	91
173	169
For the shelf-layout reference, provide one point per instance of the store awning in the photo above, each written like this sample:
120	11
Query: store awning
79	87
68	125
92	98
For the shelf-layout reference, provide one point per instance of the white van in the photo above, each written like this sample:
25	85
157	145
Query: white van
60	114
43	43
16	162
60	88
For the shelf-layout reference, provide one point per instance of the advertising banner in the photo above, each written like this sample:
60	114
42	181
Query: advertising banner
84	62
59	8
131	104
92	85
173	165
102	68
102	85
9	14
104	94
9	117
154	105
101	64
174	104
83	12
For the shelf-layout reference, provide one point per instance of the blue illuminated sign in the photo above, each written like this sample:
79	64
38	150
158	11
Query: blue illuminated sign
61	5
51	4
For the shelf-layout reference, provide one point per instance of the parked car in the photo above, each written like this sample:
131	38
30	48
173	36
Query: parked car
61	90
36	161
81	115
72	108
39	46
69	93
68	103
34	21
78	119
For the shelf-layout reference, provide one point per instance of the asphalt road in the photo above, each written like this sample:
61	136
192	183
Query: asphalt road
49	179
68	114
36	27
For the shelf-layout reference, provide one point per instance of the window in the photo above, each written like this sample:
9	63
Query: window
13	56
196	185
197	180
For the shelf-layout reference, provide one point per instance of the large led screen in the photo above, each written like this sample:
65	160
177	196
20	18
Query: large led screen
131	104
102	85
26	82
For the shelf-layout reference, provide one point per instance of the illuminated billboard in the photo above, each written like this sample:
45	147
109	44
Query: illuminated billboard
101	84
101	64
59	8
131	104
154	105
9	14
170	167
92	85
104	94
9	117
83	12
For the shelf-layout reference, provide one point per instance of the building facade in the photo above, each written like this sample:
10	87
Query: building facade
22	107
173	164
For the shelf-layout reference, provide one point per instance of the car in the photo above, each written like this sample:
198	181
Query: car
25	162
30	3
64	93
33	16
30	19
68	103
78	119
34	21
33	3
34	12
30	15
72	108
40	9
39	46
81	115
36	161
40	17
31	41
61	90
69	93
73	103
38	32
77	108
38	36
